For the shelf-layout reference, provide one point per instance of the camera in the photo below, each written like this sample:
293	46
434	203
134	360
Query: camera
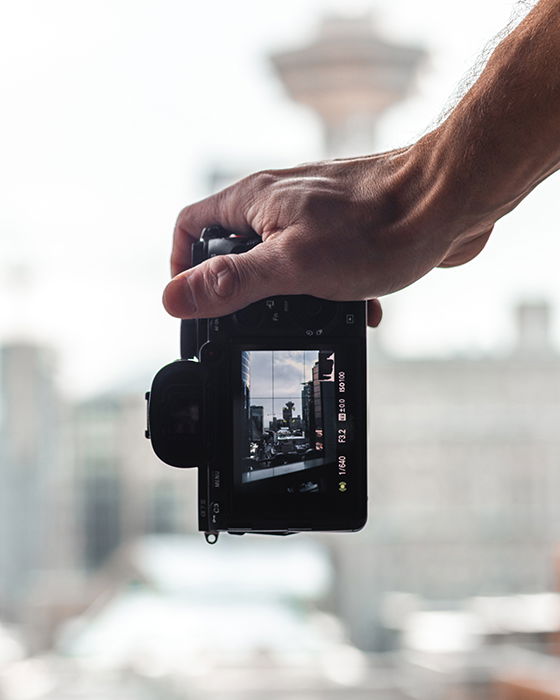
269	403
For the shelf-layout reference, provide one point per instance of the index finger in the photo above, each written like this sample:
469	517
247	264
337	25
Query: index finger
181	256
226	208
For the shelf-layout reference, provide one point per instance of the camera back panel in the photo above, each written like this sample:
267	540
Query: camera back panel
270	404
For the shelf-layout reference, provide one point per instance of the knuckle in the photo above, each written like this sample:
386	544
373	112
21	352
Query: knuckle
175	259
317	203
183	217
310	199
263	178
222	277
259	184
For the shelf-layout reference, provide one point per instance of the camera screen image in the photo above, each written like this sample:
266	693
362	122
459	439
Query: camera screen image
286	422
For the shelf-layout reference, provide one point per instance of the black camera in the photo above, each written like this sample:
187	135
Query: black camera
270	404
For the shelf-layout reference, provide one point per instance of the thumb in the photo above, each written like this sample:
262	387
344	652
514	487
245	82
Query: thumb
226	283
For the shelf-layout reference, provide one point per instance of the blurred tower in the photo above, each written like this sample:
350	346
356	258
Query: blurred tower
349	76
288	412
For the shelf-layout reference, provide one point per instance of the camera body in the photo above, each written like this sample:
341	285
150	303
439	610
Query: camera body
270	404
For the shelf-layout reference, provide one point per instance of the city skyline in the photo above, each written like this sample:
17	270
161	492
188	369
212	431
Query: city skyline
291	369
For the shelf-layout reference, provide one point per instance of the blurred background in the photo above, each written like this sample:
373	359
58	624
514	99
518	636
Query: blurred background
113	116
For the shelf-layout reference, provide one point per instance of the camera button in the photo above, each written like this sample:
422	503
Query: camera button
212	232
315	313
251	315
211	352
312	306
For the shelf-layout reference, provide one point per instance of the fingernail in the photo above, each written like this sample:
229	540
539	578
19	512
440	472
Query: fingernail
224	284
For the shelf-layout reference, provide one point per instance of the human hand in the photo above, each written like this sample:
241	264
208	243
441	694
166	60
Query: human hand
342	230
365	227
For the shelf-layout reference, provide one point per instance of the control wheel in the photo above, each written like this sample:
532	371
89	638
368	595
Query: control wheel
312	312
251	316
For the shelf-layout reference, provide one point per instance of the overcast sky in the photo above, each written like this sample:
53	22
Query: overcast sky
113	113
277	377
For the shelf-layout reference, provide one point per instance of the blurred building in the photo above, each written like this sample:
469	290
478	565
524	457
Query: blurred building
36	477
464	479
123	490
76	483
536	685
538	677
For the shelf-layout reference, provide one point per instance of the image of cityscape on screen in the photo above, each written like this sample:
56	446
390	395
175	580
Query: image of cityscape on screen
289	415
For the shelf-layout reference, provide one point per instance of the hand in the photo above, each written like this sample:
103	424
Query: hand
364	227
343	230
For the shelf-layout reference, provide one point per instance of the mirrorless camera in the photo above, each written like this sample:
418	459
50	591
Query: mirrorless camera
269	403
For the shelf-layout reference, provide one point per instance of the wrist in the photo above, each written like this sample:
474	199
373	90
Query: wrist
428	189
461	175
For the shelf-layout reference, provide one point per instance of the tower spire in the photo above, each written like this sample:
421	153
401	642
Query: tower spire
348	75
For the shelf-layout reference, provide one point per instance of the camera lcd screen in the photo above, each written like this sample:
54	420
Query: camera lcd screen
287	422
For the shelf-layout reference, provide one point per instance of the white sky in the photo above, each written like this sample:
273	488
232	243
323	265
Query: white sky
277	377
113	112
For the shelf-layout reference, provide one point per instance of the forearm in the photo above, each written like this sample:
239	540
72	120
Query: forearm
503	138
